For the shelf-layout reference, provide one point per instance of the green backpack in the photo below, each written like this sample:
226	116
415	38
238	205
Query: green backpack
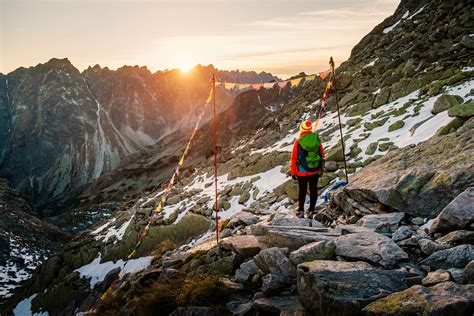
309	154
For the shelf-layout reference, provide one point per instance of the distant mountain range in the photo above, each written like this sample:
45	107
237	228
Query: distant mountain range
60	128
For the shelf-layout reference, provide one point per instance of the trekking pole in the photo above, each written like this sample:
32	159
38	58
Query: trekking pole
333	74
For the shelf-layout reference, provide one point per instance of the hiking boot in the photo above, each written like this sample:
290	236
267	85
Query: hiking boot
300	214
310	215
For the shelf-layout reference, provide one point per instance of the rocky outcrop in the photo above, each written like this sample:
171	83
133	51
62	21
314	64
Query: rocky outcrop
343	288
442	299
458	214
428	178
372	247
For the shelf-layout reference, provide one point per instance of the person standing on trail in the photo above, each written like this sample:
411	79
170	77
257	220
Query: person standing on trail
307	165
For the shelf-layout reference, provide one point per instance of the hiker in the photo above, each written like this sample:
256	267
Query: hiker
307	165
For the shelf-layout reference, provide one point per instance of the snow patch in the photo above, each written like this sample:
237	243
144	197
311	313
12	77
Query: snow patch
96	271
113	231
24	308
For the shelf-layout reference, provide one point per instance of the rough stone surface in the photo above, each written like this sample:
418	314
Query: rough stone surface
428	246
246	271
343	288
278	305
289	236
445	102
457	237
379	222
275	260
402	233
372	247
458	214
272	283
428	178
468	275
457	257
446	298
436	277
246	245
319	250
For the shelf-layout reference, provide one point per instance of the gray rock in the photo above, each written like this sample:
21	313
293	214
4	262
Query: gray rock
458	214
402	233
244	197
292	221
468	275
417	221
381	222
343	288
457	274
278	305
289	236
319	250
234	286
246	271
445	102
457	237
242	218
247	245
446	298
272	283
436	277
239	308
330	166
468	41
274	260
457	257
428	246
370	246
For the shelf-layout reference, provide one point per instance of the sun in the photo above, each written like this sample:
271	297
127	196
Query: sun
185	62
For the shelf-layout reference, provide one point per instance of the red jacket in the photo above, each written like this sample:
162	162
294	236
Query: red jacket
294	159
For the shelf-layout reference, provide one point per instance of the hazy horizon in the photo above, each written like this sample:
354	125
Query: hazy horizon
280	37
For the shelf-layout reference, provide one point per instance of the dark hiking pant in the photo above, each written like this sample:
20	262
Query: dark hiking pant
303	183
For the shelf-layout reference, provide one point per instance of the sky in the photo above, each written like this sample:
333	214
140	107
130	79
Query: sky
281	37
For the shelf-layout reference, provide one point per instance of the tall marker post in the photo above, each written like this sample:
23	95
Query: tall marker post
213	81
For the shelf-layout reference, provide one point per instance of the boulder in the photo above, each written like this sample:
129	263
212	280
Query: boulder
272	283
457	237
445	102
418	180
319	250
402	233
457	257
330	166
244	197
465	110
278	305
242	219
343	288
458	214
292	237
274	260
239	307
428	246
292	221
396	125
436	277
246	271
468	275
446	298
372	247
246	245
381	222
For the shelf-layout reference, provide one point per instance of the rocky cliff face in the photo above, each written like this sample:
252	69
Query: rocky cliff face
25	241
61	128
374	250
